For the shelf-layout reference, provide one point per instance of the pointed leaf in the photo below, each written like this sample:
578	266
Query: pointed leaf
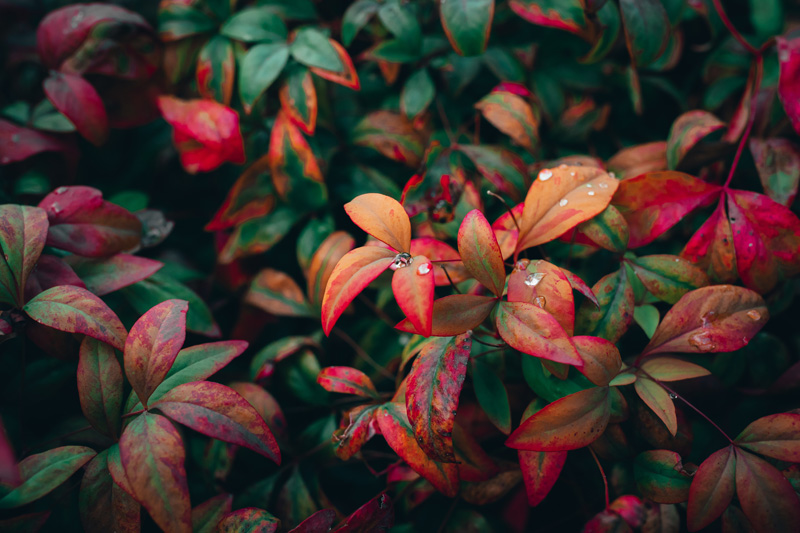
712	489
563	15
501	167
540	471
346	380
255	24
375	515
647	29
310	47
455	314
480	252
413	290
260	67
357	427
711	247
659	401
104	276
491	394
79	101
100	386
23	231
534	331
324	260
660	476
265	405
215	70
294	167
299	100
103	505
383	218
689	130
392	135
467	25
614	314
206	515
545	285
512	115
251	196
474	463
776	436
668	277
601	359
766	496
319	521
778	165
671	369
347	76
277	293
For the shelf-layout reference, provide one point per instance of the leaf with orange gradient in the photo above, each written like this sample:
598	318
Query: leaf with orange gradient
601	359
382	217
455	314
776	436
712	488
295	171
545	281
299	99
560	199
396	429
570	423
481	253
413	290
324	260
532	330
392	135
443	256
346	380
506	232
357	269
540	471
659	401
215	70
357	427
277	293
432	393
671	369
512	115
711	247
639	159
565	15
348	77
249	519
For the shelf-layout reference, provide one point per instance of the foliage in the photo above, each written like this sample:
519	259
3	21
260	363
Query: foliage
480	265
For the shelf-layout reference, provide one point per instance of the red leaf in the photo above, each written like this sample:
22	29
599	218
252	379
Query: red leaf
540	471
103	505
347	77
50	271
206	134
712	489
711	247
153	343
546	284
455	314
77	310
720	318
639	159
766	236
383	218
444	257
432	393
324	260
83	223
689	130
266	406
9	471
601	359
374	516
396	429
215	70
100	386
505	230
788	84
78	100
247	520
776	436
654	202
23	231
18	143
357	269
319	522
570	423
357	427
104	276
346	380
277	293
413	290
778	165
392	135
481	253
251	196
668	277
219	412
291	161
568	16
766	496
659	401
534	331
474	463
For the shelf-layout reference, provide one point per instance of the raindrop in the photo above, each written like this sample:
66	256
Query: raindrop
533	279
540	302
673	396
401	260
572	173
603	185
521	265
545	174
754	315
61	190
750	245
563	202
15	138
591	193
423	269
707	318
588	185
702	342
677	259
562	166
612	174
55	208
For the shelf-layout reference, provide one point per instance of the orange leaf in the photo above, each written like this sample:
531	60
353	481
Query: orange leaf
455	314
545	283
413	286
383	218
481	253
601	359
288	151
346	380
324	260
776	436
512	115
659	401
299	101
534	331
671	369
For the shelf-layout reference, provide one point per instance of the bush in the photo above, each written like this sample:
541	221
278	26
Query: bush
478	266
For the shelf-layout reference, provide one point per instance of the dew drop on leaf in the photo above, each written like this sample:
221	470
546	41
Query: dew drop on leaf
673	396
702	342
423	269
540	302
545	174
754	315
563	202
591	193
401	260
603	185
55	208
533	279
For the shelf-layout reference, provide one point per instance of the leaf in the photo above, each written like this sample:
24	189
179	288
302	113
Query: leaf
659	401
319	521
356	16
467	25
689	131
18	144
357	427
606	21
660	476
352	274
711	247
776	436
648	317
413	287
259	234
601	359
608	230
347	76
396	428
83	223
266	406
43	472
206	515
491	394
668	277
79	101
647	29
177	21
418	93
347	380
540	471
100	386
23	231
215	70
392	135
671	369
324	260
613	315
455	314
720	318
501	167
474	463
512	115
251	196
50	272
766	237
544	285
299	100
433	389
788	86
104	276
260	67
277	293
766	496
712	488
248	520
480	252
103	505
205	133
778	165
570	423
255	24
559	14
654	202
534	331
295	171
375	515
383	218
77	310
311	48
560	199
152	345
639	159
219	412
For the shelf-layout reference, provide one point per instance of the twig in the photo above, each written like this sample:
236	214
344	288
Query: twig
759	66
361	353
450	280
732	29
695	409
602	473
508	208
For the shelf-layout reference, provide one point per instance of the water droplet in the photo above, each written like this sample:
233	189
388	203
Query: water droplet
708	318
603	185
424	269
55	208
521	265
612	174
562	166
754	315
545	174
76	19
673	396
572	173
533	279
588	185
702	341
591	193
563	202
540	302
15	138
61	190
401	260
750	245
403	339
677	259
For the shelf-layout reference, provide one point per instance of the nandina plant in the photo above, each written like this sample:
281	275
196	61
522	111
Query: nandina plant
483	265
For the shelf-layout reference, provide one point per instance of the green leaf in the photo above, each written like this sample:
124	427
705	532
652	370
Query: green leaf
491	394
661	477
646	29
313	49
177	21
668	277
23	231
647	317
260	67
215	69
356	17
767	17
615	313
255	25
47	117
467	24
418	93
401	20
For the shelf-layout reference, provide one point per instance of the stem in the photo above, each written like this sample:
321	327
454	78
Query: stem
134	413
445	121
450	280
602	473
695	409
361	353
476	339
375	309
508	208
476	138
759	66
734	32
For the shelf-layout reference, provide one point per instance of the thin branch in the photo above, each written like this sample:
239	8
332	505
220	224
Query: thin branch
377	310
450	280
508	208
732	29
602	473
362	354
476	339
759	66
675	395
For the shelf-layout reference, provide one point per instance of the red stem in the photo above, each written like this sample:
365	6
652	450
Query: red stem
695	409
759	66
602	473
734	32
